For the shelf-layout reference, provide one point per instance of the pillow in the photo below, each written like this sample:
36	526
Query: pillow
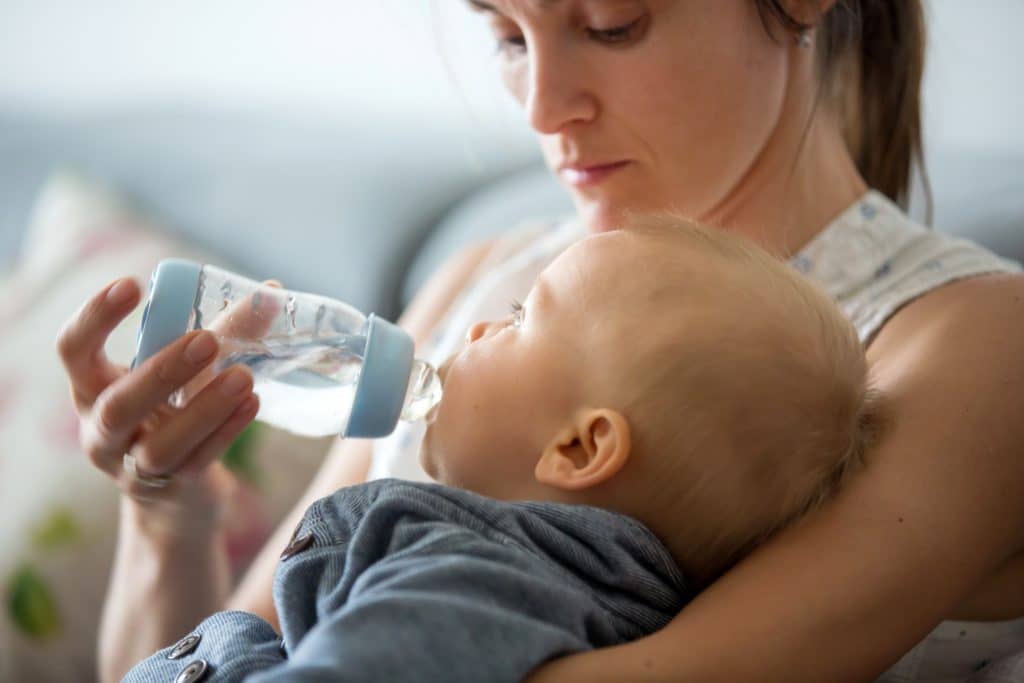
58	528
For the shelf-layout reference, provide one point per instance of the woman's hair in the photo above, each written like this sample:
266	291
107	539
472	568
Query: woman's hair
871	61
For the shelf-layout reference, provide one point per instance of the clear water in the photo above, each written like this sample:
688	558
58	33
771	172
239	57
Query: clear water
423	395
307	387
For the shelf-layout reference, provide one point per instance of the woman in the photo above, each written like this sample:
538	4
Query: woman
769	118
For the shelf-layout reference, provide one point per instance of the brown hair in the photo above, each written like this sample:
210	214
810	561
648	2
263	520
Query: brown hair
871	62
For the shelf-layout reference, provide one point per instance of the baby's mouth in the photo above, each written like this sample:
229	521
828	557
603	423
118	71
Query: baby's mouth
431	415
442	372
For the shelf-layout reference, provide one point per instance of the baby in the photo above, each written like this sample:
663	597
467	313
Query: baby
666	398
675	374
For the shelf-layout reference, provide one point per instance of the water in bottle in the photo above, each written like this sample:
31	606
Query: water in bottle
319	366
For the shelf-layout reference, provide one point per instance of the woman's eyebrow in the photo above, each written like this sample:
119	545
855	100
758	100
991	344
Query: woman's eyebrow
482	6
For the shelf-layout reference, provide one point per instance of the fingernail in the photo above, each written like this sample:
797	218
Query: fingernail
235	382
120	292
201	348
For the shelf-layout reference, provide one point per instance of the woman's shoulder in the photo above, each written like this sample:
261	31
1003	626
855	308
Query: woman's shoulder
983	312
951	360
874	260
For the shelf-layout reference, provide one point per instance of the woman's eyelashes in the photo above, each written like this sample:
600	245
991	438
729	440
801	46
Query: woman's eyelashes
618	34
621	35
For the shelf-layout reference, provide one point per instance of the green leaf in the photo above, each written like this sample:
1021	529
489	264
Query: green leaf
30	604
240	457
58	529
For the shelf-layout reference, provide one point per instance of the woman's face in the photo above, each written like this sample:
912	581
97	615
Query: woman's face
643	104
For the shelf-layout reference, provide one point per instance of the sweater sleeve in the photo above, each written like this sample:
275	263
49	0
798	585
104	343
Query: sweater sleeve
227	646
461	609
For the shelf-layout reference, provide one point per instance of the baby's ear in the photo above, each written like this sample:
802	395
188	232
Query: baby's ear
588	452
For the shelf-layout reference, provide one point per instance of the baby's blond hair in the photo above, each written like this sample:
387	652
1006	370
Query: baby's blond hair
747	396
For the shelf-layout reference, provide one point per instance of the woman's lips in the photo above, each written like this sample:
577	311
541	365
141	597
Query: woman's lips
585	176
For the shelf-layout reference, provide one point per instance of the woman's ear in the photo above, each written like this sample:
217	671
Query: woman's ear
589	452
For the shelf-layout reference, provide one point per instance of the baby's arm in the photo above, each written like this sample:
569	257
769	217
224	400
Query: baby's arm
455	609
227	646
384	585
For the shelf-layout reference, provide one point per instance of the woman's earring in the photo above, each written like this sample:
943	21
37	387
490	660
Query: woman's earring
803	39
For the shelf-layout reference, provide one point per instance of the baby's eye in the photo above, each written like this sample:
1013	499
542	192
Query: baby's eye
517	313
508	47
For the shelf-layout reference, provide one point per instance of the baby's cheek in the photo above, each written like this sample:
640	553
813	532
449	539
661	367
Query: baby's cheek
426	454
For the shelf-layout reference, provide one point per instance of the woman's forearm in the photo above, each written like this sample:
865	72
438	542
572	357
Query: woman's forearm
161	586
347	464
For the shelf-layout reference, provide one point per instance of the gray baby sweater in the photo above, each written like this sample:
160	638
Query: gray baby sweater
397	581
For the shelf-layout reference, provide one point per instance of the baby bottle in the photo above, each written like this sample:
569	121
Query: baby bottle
319	366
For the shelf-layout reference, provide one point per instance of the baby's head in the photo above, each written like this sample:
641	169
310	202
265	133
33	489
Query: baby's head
670	372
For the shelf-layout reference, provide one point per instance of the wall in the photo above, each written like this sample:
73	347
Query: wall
334	57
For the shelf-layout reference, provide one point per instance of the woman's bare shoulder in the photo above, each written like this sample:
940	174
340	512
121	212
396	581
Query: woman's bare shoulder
951	365
970	316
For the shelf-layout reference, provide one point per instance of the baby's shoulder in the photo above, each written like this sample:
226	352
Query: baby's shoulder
405	513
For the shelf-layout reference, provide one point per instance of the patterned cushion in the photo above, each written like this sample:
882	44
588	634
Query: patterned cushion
57	531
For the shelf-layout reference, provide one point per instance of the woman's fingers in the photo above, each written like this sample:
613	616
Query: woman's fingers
251	316
247	319
80	342
217	443
165	450
119	411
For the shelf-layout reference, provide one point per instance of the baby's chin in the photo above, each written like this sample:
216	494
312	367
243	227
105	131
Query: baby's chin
427	461
433	463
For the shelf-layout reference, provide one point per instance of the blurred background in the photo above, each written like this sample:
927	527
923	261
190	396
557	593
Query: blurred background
397	95
343	147
345	57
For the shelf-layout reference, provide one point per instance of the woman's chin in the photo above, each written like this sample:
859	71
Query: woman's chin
599	215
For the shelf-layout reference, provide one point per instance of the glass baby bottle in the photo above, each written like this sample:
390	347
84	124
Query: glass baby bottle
320	367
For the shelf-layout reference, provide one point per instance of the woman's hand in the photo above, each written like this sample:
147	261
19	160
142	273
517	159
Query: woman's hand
128	412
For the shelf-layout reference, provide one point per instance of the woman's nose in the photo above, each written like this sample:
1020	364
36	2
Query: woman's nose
476	331
556	92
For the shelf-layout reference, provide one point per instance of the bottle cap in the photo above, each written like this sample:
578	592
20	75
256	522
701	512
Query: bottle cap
172	296
383	381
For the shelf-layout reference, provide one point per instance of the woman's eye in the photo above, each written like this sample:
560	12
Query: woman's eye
515	45
617	34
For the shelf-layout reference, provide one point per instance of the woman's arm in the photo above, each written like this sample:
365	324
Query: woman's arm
348	461
843	594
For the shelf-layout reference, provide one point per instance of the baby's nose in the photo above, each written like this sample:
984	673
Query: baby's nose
476	331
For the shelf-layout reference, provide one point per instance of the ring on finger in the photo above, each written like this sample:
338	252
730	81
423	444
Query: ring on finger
153	481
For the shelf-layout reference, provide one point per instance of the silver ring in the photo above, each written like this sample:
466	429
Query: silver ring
153	481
